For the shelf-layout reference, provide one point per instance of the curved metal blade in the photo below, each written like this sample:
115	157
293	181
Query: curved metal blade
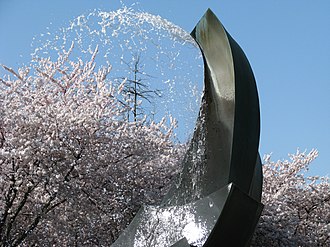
216	198
224	148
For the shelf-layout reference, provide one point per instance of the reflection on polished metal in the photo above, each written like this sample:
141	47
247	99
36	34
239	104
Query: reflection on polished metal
216	198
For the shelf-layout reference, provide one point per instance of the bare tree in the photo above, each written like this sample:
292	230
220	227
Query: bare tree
137	89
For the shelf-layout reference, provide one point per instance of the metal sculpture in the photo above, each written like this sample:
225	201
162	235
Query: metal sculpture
216	198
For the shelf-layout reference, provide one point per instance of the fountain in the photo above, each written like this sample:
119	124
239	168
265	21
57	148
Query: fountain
170	62
216	198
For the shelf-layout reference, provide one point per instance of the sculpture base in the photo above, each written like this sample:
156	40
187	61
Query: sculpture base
226	216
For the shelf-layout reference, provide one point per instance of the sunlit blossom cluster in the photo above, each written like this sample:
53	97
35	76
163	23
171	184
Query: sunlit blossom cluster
73	170
297	206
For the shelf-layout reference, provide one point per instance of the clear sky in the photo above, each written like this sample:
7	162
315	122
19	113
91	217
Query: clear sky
286	42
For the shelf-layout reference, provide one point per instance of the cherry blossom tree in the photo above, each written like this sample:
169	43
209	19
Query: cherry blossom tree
297	206
72	170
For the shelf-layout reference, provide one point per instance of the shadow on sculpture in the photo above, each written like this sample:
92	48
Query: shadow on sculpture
216	198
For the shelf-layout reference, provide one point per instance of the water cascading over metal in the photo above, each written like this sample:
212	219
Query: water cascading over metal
216	198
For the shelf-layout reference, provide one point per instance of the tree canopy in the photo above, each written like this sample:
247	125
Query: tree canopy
74	171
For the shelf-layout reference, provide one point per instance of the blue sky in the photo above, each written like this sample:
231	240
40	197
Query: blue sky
286	42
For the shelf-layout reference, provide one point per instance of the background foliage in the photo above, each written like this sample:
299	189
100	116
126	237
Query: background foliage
74	171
